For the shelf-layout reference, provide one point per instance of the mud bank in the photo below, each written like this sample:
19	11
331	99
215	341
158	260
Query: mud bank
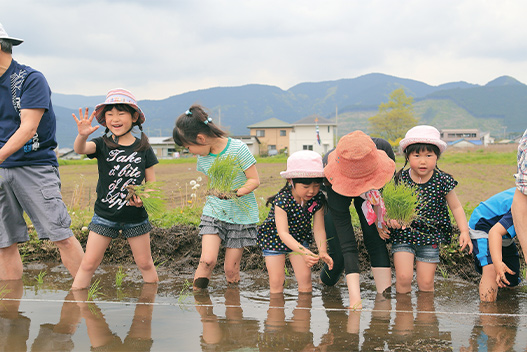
179	248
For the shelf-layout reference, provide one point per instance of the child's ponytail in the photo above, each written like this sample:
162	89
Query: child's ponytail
193	122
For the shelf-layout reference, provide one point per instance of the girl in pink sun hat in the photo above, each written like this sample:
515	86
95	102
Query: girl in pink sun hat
422	147
122	160
287	229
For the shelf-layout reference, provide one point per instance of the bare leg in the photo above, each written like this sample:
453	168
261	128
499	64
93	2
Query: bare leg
233	257
302	273
10	263
140	246
383	278
404	271
95	248
353	281
425	274
488	288
210	247
275	268
71	254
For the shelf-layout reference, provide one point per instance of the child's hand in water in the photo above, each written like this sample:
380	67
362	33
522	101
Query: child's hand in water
135	201
84	123
327	259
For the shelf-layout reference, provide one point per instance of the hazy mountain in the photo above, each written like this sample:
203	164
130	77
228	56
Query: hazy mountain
497	105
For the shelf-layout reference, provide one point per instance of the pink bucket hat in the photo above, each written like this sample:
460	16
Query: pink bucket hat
118	96
423	134
357	166
5	36
304	163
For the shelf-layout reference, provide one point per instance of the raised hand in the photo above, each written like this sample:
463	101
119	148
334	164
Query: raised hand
84	123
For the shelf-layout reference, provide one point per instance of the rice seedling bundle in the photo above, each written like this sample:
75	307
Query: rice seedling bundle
151	196
401	202
221	174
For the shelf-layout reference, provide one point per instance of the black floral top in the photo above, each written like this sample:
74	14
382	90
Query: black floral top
298	217
433	224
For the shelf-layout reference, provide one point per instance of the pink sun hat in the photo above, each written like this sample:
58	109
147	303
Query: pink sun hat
304	163
423	134
357	166
118	96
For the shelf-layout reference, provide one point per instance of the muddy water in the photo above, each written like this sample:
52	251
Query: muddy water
169	317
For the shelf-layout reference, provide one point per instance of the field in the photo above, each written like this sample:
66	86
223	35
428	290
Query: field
480	173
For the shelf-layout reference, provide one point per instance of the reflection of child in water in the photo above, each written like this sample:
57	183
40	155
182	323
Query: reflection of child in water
14	327
230	333
139	336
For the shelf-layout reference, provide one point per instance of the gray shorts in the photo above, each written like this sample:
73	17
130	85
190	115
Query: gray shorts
232	235
36	191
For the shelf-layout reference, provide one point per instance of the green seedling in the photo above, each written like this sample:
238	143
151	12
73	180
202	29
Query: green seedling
443	271
401	202
119	277
151	196
94	290
185	292
222	173
4	291
157	265
40	277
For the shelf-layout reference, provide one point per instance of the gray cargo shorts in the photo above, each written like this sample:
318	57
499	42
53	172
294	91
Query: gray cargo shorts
36	191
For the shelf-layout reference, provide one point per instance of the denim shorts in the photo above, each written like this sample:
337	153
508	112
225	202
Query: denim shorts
270	253
108	228
426	253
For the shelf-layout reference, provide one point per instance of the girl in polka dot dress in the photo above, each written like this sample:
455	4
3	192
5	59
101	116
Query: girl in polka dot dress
422	147
287	229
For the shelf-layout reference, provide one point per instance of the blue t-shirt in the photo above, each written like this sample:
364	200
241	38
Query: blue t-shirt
496	209
27	88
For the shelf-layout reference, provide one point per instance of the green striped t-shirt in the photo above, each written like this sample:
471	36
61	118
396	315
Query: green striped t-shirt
242	210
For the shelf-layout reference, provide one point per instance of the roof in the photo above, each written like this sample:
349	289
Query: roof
247	137
160	140
471	141
310	120
271	123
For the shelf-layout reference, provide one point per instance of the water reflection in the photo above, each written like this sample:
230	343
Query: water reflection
139	336
229	333
14	327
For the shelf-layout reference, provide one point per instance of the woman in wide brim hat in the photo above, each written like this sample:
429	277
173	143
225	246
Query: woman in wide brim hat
356	166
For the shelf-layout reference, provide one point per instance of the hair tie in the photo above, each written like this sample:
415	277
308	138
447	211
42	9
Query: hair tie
206	122
188	113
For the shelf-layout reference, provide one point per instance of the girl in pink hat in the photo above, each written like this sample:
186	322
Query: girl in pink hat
287	228
422	148
122	160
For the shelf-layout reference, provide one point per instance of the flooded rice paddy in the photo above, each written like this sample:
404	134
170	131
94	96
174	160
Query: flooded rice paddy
46	316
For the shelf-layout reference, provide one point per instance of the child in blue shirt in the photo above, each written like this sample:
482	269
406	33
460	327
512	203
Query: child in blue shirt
495	254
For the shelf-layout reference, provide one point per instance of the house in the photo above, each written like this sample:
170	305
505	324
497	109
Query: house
465	143
164	147
252	142
273	135
67	154
312	133
458	137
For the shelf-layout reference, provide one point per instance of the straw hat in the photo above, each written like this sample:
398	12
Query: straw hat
304	163
423	134
118	96
357	166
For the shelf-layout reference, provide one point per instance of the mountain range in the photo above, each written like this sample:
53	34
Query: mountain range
497	107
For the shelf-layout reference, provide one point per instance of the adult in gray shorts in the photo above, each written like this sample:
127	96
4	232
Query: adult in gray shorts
29	177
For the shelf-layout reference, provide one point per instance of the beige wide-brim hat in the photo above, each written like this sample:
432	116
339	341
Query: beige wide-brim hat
118	96
357	166
304	164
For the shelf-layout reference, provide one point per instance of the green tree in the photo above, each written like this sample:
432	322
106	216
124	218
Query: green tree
394	117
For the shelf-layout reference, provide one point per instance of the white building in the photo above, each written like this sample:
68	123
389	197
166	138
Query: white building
304	135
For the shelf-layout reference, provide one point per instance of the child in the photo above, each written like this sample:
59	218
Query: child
231	222
495	254
122	160
422	148
287	229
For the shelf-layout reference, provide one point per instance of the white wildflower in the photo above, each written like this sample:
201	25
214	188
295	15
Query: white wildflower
198	179
193	182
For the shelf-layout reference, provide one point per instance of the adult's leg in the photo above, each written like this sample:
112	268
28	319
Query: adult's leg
210	247
233	257
71	254
275	269
140	246
377	251
404	271
327	276
10	263
95	248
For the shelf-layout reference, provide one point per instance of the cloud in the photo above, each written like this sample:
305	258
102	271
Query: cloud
162	48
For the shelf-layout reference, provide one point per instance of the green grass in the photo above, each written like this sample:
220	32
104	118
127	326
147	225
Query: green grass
401	202
94	290
119	277
40	277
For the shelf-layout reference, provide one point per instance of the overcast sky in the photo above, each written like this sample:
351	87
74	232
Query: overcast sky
160	48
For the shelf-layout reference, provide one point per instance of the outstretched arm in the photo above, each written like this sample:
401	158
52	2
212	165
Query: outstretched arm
495	242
